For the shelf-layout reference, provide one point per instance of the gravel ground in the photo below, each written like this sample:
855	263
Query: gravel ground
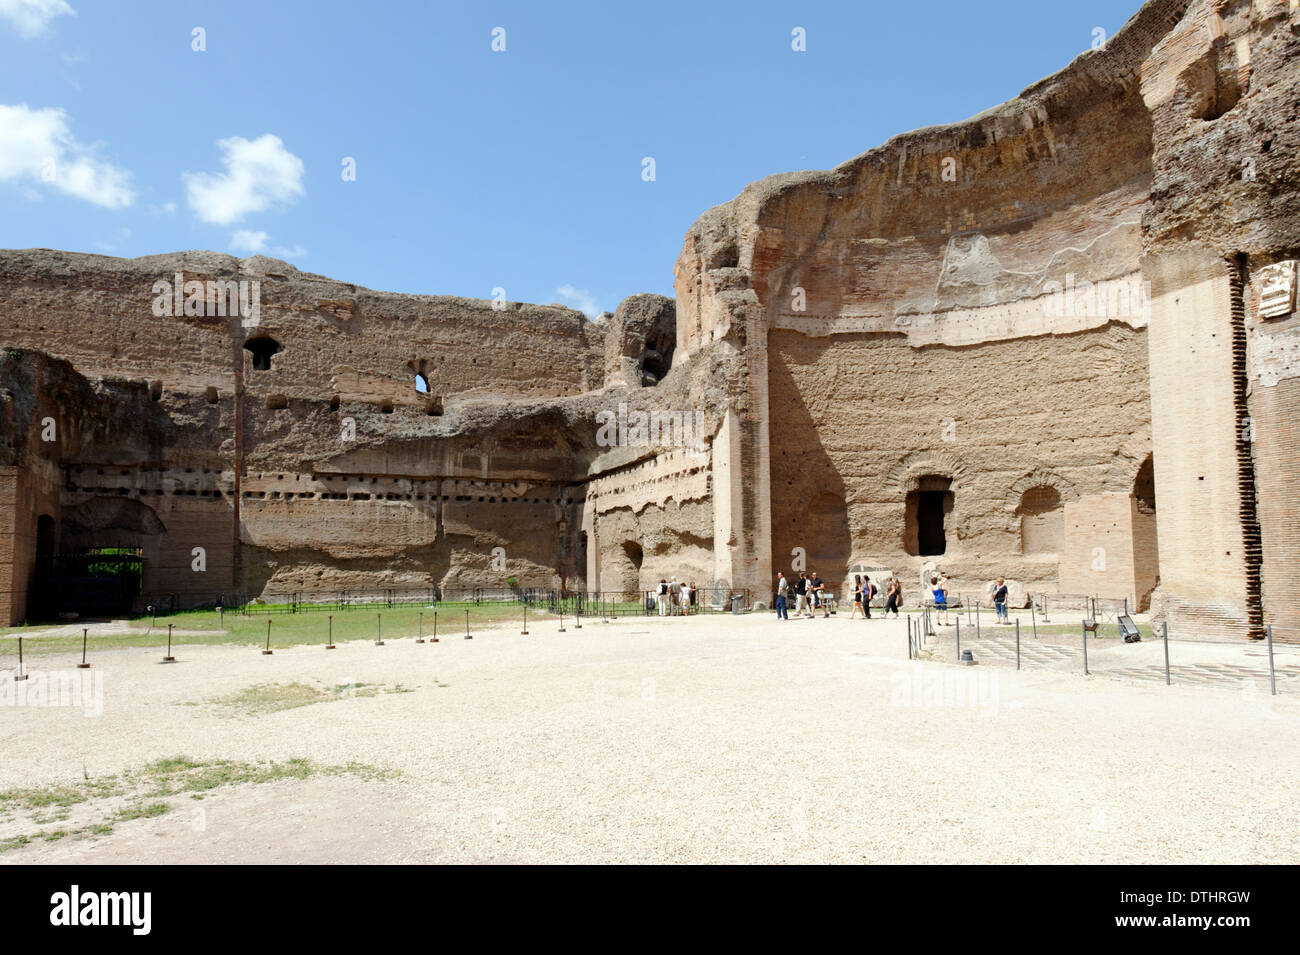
708	739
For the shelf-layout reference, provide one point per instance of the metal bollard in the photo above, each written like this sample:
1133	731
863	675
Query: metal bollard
330	645
578	625
1085	648
435	627
959	639
467	636
1017	643
83	665
419	629
561	619
1166	633
169	658
267	652
21	675
379	629
524	632
1272	676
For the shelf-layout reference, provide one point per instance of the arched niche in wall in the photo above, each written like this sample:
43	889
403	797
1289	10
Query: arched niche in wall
1146	554
1042	521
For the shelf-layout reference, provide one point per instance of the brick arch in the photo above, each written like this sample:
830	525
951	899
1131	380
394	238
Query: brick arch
906	475
1040	477
1131	454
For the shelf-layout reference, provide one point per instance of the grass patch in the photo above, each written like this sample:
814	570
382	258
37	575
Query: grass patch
61	797
273	697
308	627
143	811
148	792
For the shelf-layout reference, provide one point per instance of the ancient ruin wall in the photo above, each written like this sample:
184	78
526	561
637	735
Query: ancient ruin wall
349	477
964	302
1223	89
320	467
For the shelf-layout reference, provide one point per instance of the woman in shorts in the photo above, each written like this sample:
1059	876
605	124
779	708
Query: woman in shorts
940	601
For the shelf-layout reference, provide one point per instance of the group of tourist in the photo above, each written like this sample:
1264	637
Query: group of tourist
939	591
810	594
673	598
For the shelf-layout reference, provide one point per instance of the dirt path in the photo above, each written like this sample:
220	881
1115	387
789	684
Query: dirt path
703	739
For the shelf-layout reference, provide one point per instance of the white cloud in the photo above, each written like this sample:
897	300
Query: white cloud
246	240
582	299
166	209
255	242
31	18
36	145
258	173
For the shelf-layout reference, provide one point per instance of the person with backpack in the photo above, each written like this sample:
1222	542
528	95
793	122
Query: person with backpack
868	591
857	595
661	598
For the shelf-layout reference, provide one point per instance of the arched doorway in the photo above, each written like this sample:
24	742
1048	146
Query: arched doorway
925	524
1146	555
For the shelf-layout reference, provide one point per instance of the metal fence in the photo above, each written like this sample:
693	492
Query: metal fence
607	604
1102	645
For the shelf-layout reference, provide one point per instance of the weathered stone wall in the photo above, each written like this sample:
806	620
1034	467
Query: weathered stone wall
169	435
1223	90
1000	329
867	416
965	302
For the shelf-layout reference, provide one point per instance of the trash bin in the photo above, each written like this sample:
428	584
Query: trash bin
737	603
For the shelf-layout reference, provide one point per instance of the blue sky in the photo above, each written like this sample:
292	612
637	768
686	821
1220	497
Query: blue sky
475	169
